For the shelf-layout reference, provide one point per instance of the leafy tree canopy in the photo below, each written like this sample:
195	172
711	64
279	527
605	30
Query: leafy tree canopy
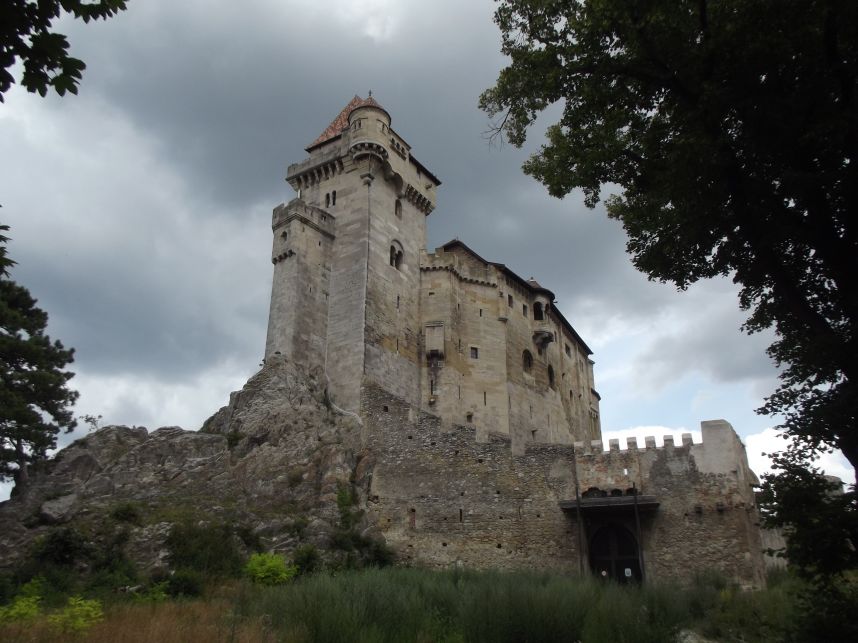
26	35
731	128
34	393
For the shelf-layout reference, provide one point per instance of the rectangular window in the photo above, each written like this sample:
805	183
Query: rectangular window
475	352
431	387
568	351
509	300
481	312
524	309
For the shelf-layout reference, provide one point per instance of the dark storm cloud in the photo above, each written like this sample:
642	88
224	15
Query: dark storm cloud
141	208
235	95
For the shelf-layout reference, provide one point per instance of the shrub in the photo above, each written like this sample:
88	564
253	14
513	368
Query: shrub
127	512
306	559
7	588
185	582
249	537
78	616
208	549
63	547
155	593
23	608
269	569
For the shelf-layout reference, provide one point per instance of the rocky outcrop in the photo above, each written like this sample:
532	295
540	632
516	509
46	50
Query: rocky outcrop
271	461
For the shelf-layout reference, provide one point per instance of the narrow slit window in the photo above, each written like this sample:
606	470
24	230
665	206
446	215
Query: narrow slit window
334	197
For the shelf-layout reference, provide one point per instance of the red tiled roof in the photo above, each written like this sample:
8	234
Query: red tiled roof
341	122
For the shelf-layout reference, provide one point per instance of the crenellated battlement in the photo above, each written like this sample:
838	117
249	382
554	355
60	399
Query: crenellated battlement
631	444
317	218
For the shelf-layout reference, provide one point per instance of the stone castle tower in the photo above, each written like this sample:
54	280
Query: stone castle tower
346	257
356	293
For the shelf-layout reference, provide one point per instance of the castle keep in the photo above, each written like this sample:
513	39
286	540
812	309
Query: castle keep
480	415
452	334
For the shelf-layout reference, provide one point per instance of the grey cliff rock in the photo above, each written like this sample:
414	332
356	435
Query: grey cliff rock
271	461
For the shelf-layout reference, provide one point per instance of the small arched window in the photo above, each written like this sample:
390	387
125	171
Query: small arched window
328	200
334	197
550	376
396	255
537	311
527	361
397	208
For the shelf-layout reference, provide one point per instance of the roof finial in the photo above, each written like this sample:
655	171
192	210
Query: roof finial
370	93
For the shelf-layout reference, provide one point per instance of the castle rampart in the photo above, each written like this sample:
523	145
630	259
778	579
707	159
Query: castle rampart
442	497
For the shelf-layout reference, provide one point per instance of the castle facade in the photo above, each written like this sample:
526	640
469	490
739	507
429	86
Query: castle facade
356	294
476	395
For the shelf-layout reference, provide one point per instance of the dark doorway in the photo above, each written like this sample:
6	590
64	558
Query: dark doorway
614	554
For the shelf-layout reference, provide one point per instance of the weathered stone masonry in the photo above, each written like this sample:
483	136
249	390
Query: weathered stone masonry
442	498
481	433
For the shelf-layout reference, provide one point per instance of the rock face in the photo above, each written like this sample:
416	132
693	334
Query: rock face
272	460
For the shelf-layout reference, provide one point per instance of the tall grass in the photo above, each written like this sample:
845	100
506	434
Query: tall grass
395	605
409	605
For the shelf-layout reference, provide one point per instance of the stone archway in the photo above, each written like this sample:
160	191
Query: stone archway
614	554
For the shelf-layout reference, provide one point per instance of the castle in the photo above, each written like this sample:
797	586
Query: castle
479	411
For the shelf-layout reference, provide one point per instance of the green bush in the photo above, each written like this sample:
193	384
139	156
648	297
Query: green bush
185	583
306	558
155	593
63	547
269	569
78	616
22	609
207	549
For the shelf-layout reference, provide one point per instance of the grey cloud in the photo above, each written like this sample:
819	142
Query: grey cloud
142	221
707	341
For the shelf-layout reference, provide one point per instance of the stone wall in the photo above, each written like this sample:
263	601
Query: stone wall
480	380
442	498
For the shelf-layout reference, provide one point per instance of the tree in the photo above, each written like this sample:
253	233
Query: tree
732	129
26	35
819	520
34	396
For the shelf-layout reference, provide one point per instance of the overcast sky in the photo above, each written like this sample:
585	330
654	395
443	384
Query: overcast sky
140	209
